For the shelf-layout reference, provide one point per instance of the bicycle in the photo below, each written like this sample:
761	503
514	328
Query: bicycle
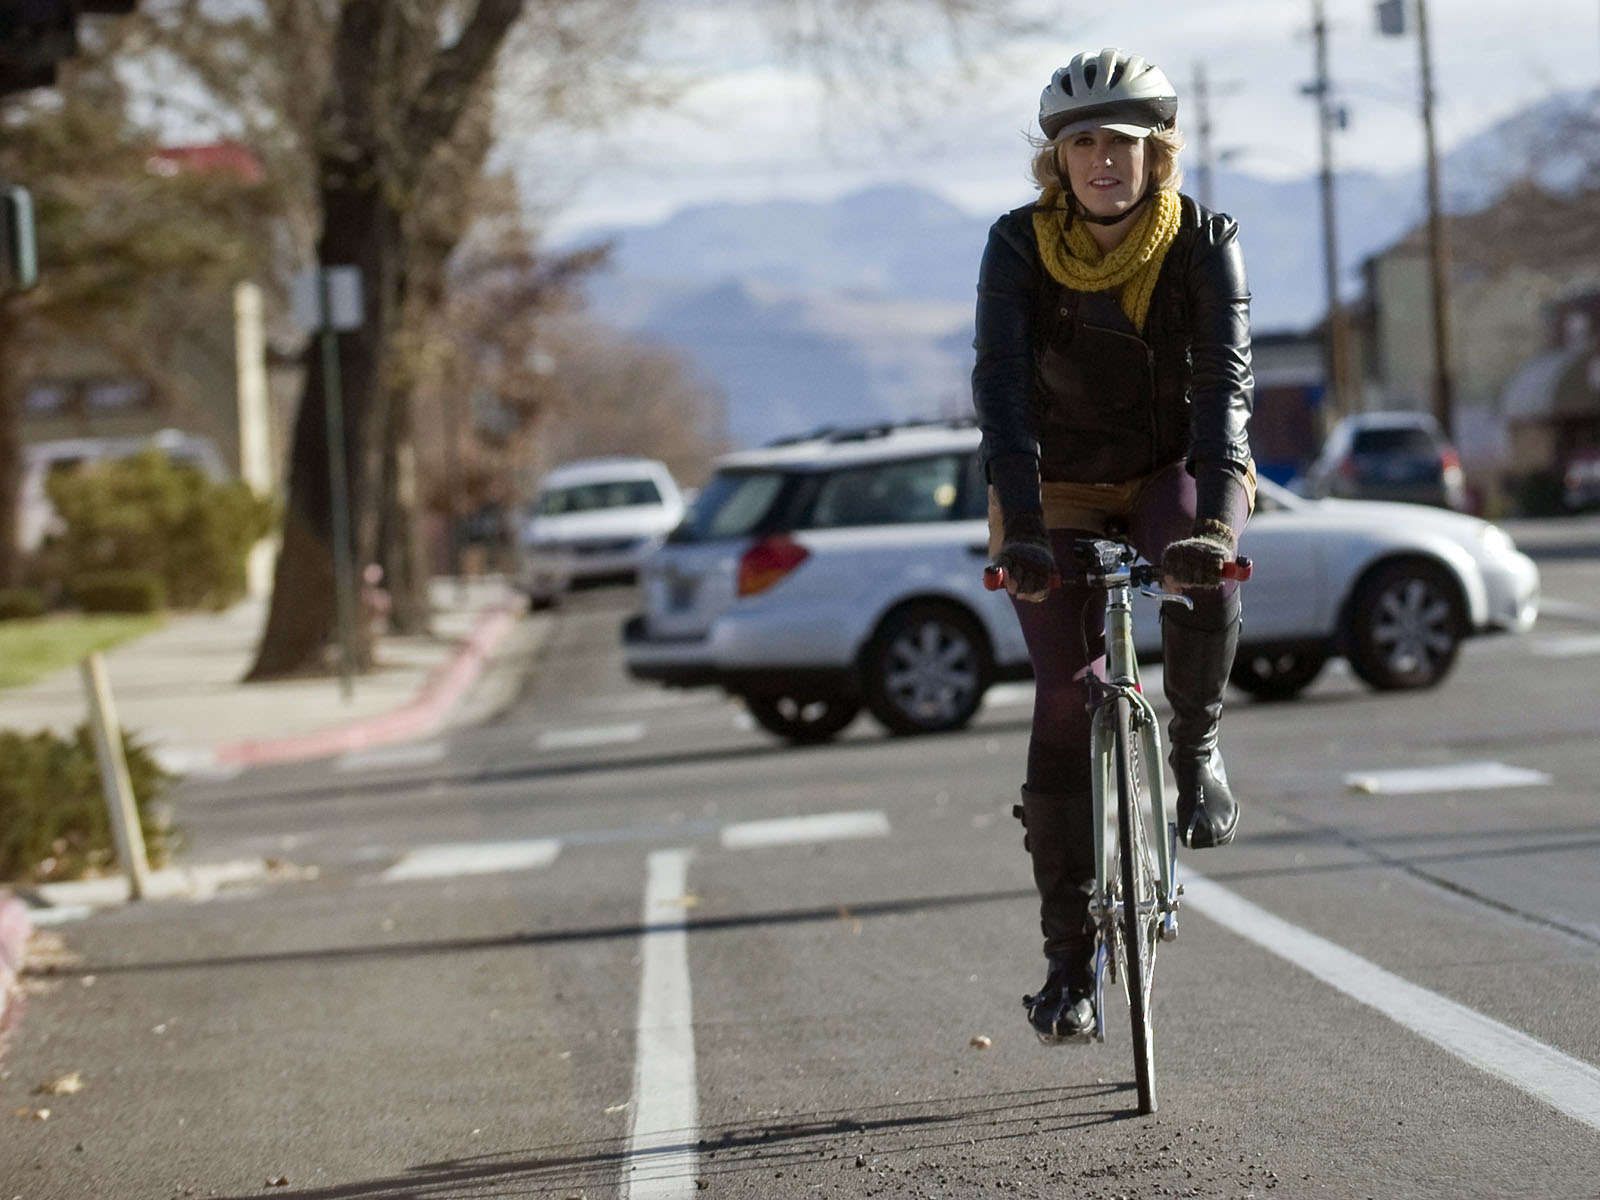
1135	902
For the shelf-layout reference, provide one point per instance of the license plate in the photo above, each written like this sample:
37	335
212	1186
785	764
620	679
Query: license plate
680	593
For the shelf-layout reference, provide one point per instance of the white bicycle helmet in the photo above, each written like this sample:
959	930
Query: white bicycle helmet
1110	90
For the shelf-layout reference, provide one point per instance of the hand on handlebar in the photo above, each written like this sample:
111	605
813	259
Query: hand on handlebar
1026	563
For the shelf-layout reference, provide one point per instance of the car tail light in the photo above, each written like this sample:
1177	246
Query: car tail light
768	561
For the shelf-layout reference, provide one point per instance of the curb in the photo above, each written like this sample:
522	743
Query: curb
15	928
443	690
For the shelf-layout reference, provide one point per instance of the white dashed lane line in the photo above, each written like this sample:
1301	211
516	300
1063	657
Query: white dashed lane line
1574	646
594	735
1454	777
410	754
473	858
790	831
1567	1084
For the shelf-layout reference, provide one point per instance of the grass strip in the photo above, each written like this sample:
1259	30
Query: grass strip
32	648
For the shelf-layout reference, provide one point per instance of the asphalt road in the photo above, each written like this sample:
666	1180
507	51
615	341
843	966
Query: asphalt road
1375	993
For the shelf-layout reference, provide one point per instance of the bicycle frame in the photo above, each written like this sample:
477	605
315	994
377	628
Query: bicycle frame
1122	679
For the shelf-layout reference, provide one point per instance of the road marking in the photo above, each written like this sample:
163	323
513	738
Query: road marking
1567	647
596	735
1565	1083
1550	606
789	831
473	858
40	917
414	754
197	764
662	1158
1455	777
1004	694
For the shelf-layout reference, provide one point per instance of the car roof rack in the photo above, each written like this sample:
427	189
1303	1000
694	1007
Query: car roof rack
835	434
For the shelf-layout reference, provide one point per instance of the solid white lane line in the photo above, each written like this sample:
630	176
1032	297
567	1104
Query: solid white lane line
597	735
1550	606
414	754
1002	695
789	831
473	858
661	1159
1454	777
1571	646
1567	1084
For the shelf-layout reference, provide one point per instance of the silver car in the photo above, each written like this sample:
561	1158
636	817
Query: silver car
842	571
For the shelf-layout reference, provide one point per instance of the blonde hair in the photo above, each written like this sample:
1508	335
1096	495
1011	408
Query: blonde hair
1161	160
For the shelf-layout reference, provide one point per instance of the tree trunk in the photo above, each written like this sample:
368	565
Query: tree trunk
360	229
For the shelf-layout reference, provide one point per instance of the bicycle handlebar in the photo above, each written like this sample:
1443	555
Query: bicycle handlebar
1239	570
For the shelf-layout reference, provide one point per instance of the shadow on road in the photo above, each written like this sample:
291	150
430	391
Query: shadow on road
510	941
834	1141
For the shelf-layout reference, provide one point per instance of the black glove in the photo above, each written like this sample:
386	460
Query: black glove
1026	557
1197	560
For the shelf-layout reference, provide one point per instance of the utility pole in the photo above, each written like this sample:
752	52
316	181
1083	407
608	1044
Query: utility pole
1392	23
1336	339
1438	250
1202	108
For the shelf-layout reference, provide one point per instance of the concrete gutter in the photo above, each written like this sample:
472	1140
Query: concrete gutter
426	711
15	929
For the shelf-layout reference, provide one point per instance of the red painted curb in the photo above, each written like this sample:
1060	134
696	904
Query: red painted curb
436	697
15	929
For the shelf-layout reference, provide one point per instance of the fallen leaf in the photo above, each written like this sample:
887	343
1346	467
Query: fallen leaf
1364	784
981	1042
686	901
616	1108
65	1086
278	1181
88	980
41	1114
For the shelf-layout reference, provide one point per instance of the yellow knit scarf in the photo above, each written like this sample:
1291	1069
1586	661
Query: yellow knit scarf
1072	256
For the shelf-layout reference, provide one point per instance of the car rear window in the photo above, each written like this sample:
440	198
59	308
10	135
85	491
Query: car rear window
1415	442
732	505
908	491
587	497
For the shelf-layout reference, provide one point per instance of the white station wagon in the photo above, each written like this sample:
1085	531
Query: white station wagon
845	570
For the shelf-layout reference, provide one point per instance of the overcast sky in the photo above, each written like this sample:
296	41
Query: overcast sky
752	122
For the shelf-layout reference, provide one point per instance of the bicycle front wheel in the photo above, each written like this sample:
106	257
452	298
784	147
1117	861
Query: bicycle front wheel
1140	919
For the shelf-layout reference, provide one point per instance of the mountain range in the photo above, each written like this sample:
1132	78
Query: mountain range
860	308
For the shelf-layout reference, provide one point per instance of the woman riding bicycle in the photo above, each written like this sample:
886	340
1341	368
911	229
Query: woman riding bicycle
1113	389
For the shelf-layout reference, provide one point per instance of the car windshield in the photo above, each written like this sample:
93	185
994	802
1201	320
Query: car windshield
730	506
1417	443
588	497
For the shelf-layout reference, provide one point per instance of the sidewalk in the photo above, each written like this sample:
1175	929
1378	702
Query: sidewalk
178	690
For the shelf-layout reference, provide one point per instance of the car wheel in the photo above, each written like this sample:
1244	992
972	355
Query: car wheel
926	670
803	720
1406	626
1276	674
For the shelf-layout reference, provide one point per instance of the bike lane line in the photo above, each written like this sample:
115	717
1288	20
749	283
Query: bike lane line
1567	1084
662	1141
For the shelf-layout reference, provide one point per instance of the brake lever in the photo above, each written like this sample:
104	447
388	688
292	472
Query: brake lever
1156	593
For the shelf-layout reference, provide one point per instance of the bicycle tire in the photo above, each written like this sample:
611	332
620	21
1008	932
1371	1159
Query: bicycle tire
1138	947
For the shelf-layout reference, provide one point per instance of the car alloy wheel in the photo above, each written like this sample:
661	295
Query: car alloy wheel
1407	627
926	670
801	719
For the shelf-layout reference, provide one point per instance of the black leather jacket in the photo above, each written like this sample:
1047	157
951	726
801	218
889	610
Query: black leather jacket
1057	394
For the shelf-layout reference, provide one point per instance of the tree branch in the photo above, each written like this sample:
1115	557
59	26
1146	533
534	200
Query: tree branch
455	70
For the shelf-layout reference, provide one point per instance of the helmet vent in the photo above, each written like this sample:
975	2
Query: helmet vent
1090	70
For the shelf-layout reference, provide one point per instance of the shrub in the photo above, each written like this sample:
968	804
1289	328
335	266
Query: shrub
149	513
20	602
53	818
119	592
